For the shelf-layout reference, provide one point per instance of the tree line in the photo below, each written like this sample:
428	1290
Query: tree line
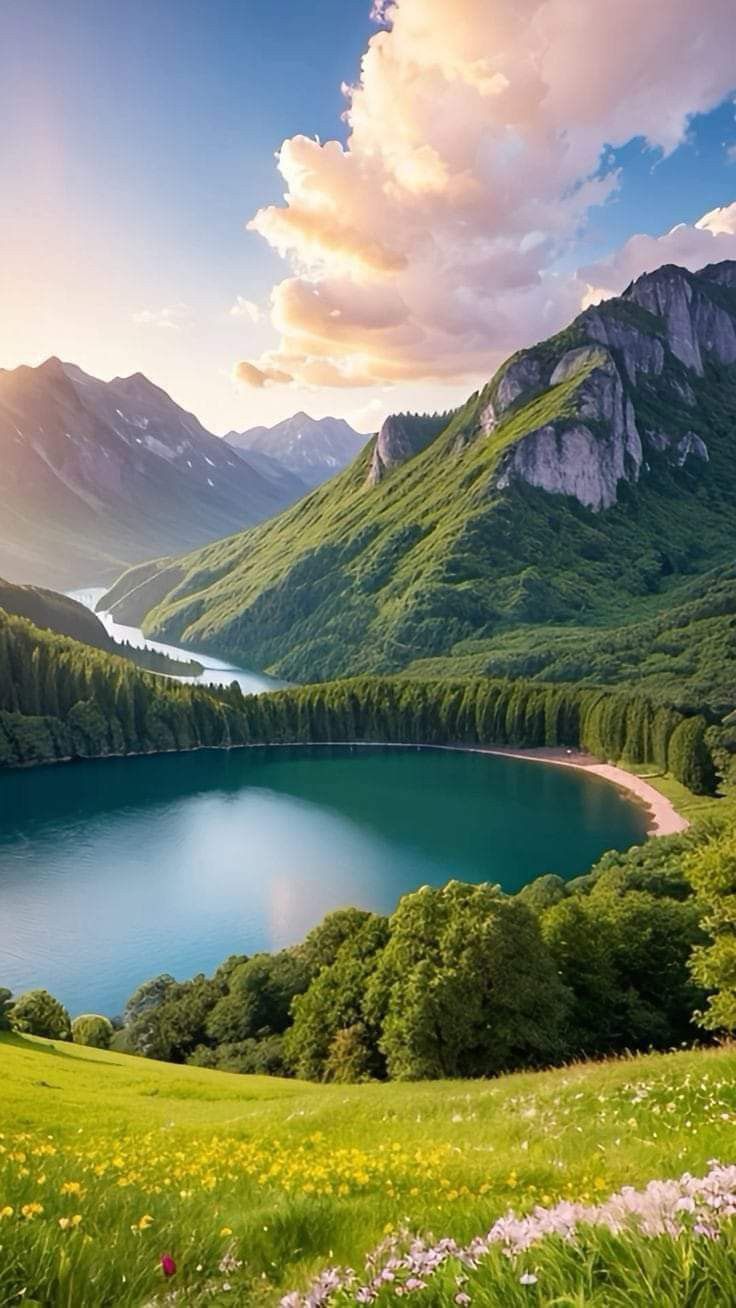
60	699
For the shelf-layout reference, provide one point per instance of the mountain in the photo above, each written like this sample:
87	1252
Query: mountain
312	448
574	520
97	475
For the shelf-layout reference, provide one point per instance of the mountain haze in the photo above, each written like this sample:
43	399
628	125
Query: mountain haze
311	448
590	483
97	475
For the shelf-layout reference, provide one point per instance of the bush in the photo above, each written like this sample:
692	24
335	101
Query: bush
93	1030
38	1013
6	1004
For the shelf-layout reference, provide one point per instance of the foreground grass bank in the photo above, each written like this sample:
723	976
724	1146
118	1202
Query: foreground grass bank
255	1183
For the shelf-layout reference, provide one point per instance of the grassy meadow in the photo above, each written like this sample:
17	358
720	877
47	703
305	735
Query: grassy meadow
253	1185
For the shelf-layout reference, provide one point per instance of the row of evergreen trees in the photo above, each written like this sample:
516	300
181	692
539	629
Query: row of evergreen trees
61	699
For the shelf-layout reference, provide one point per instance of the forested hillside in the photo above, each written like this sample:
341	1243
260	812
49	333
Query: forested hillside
61	699
581	503
59	613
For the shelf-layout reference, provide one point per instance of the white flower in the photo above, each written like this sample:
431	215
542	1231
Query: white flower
528	1279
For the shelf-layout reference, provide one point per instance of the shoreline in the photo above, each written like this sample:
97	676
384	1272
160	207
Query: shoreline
663	816
664	820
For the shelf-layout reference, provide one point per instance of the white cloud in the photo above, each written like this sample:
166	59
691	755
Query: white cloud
425	248
711	239
243	308
172	318
370	417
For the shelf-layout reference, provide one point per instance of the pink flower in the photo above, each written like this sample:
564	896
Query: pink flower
168	1266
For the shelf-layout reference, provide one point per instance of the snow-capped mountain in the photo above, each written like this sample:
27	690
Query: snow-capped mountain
313	448
97	475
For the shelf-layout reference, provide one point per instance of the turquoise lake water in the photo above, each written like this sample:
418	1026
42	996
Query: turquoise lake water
115	870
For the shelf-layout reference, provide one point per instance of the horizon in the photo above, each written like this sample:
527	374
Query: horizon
154	231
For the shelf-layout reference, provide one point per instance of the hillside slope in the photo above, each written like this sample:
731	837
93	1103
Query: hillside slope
591	479
282	1177
96	475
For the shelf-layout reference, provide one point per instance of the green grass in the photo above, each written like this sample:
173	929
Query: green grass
299	1175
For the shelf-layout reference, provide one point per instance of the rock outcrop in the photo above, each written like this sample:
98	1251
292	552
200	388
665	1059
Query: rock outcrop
662	334
401	437
575	457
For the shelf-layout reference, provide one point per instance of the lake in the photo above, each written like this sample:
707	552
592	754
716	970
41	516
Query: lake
114	870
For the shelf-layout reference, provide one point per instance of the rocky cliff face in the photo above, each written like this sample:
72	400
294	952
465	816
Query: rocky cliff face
651	344
402	436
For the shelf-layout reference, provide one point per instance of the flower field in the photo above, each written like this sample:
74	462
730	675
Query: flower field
126	1182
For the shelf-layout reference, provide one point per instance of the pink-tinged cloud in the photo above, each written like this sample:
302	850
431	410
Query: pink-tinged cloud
426	247
710	240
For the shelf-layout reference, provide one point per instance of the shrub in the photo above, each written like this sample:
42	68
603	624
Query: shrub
93	1030
38	1013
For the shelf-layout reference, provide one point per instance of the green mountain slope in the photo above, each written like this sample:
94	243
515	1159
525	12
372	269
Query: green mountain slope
584	487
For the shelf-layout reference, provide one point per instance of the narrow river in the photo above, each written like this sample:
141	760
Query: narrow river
216	673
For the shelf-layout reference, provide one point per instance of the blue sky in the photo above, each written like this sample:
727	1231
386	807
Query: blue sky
139	139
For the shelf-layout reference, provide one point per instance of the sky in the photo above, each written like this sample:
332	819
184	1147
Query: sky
276	206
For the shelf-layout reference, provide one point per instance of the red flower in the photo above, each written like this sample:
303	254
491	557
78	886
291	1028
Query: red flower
168	1266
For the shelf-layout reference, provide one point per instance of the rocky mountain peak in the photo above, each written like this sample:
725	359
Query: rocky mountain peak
661	333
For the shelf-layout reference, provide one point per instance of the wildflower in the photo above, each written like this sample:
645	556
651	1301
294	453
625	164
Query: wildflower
7	1211
168	1266
30	1211
225	1231
229	1264
71	1187
143	1223
528	1279
70	1223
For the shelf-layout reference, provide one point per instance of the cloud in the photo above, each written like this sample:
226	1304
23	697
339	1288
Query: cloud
370	416
250	375
243	308
711	239
172	318
480	136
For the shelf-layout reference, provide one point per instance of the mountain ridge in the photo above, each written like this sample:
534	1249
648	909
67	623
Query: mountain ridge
590	478
96	475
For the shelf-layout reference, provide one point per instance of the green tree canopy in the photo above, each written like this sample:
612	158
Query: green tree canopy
712	872
38	1013
93	1030
465	986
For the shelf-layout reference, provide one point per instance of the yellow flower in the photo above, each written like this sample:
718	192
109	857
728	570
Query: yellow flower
7	1211
31	1210
66	1222
143	1223
226	1231
71	1187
